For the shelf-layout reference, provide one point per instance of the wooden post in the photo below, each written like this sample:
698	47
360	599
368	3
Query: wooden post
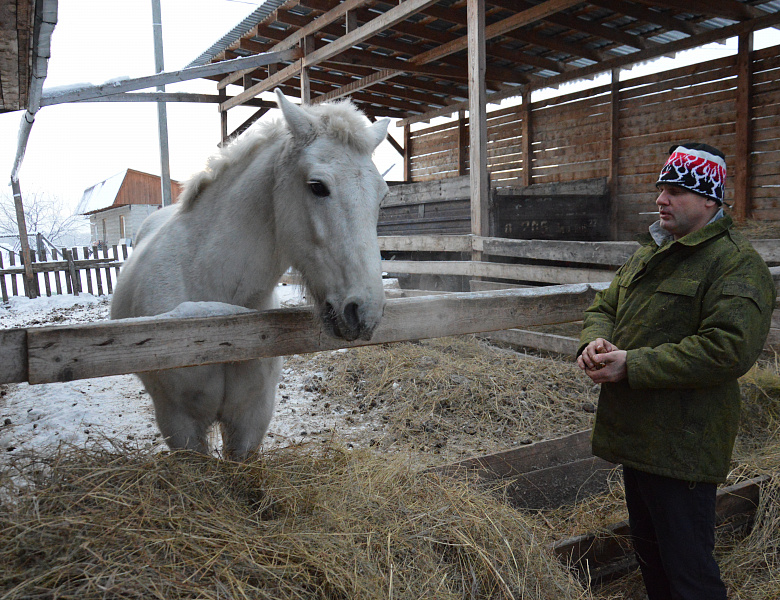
614	152
350	21
407	153
744	141
162	108
480	184
29	284
307	46
74	280
463	142
3	289
527	149
223	122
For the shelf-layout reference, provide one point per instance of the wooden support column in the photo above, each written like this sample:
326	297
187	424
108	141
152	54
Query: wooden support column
407	153
480	183
307	47
614	153
463	142
526	148
743	198
21	224
350	21
223	122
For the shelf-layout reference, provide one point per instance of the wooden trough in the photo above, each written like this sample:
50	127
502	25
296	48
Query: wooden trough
548	474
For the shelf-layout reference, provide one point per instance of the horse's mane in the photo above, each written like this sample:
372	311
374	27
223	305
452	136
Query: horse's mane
341	120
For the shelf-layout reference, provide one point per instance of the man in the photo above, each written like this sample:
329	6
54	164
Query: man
683	319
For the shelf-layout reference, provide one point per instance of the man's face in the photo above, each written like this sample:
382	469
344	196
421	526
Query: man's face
683	212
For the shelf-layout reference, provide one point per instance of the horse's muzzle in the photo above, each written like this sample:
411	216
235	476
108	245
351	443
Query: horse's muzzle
349	323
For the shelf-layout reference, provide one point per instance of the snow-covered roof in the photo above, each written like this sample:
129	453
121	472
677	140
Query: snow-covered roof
101	195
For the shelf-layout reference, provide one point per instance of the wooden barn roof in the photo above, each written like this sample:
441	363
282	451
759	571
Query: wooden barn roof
402	59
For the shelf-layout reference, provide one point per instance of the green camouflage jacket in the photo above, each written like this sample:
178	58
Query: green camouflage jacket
693	316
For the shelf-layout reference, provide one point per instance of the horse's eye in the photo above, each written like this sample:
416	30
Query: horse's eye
318	188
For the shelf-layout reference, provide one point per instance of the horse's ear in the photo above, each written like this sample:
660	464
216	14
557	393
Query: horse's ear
378	131
297	120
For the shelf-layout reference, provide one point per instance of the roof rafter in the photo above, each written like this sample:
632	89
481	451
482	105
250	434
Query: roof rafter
494	30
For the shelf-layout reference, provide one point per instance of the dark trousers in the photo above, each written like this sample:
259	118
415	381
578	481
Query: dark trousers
673	533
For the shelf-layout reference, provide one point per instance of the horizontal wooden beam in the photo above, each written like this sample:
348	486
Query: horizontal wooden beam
546	342
714	35
536	273
63	95
71	352
520	19
336	13
612	254
175	97
365	31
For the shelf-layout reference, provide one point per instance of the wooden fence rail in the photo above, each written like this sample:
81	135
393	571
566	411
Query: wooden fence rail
64	353
63	272
586	262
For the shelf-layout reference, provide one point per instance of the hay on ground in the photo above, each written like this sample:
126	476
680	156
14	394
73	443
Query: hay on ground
330	524
452	397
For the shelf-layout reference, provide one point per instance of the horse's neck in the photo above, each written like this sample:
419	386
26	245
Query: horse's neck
238	233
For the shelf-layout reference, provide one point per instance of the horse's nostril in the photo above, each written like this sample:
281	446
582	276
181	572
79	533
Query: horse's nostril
351	315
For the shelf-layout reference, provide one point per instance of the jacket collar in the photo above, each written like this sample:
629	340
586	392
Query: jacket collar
720	222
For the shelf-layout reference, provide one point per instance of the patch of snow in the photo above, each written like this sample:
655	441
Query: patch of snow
34	418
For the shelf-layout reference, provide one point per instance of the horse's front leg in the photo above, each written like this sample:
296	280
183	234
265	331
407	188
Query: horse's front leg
186	404
250	397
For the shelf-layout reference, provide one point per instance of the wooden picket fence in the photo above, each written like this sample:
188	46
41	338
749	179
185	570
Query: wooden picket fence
63	271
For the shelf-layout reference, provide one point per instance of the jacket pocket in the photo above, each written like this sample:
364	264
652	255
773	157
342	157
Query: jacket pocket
674	310
679	287
743	290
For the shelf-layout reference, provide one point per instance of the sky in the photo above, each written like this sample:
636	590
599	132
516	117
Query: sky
74	146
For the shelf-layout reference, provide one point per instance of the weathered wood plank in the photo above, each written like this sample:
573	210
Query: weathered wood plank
539	455
425	243
559	485
13	355
542	475
81	351
593	551
542	274
546	342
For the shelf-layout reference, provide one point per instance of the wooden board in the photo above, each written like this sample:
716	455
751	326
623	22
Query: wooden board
71	352
592	554
537	273
542	475
547	342
13	355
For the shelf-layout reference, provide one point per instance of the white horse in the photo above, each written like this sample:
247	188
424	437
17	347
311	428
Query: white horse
302	191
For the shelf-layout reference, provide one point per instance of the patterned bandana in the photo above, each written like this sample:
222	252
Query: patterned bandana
696	167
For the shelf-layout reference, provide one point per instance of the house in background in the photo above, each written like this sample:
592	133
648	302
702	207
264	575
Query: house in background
117	206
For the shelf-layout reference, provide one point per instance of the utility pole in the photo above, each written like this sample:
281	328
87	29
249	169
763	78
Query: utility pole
162	111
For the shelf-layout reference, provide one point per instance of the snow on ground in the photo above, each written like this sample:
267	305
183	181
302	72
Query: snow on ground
36	417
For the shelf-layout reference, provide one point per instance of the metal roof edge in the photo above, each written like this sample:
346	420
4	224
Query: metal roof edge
239	30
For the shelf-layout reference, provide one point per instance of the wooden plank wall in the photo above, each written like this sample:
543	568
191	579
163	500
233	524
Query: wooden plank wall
571	136
696	103
765	163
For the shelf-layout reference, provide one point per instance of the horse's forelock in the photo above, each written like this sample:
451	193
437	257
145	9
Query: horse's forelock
339	120
344	122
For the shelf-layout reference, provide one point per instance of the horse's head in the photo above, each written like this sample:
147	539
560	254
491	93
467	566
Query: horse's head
327	199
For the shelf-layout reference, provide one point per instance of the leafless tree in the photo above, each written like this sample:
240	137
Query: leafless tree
44	213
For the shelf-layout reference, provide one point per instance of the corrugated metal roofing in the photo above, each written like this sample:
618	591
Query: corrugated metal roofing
237	32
